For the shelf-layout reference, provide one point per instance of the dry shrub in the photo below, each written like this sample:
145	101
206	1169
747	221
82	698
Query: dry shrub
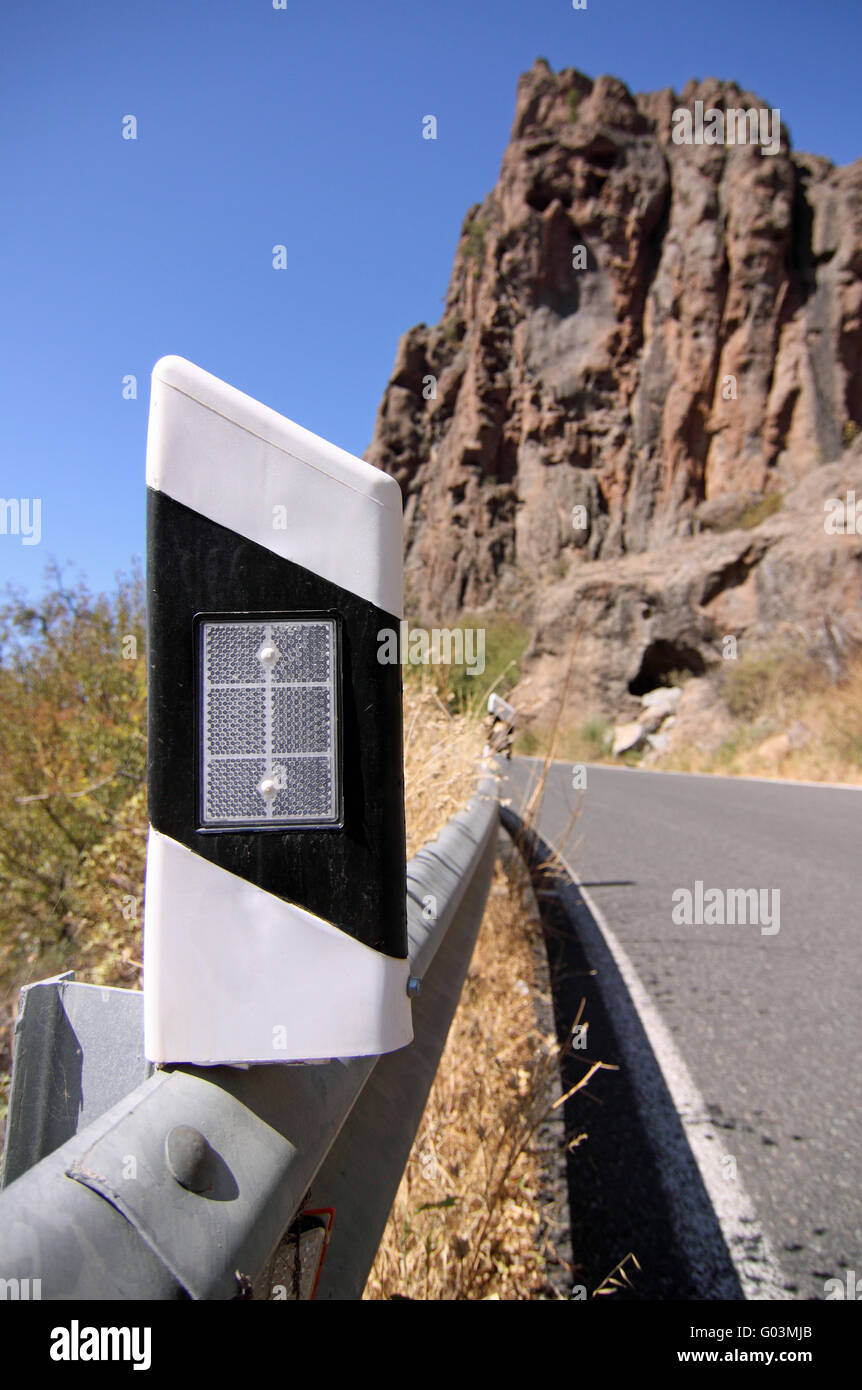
480	1211
108	898
442	762
769	680
793	697
770	691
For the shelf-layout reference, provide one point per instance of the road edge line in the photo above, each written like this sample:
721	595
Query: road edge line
760	1275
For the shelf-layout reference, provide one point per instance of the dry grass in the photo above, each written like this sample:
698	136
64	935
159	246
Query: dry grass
476	1215
779	694
101	931
442	762
481	1211
109	894
769	693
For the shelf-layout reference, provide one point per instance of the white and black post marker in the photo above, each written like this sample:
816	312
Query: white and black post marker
275	920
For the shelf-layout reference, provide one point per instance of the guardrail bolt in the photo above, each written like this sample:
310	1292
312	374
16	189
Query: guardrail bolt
414	986
189	1158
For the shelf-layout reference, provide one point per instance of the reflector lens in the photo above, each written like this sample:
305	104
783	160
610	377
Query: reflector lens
268	723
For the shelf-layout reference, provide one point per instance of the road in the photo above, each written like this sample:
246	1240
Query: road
756	1033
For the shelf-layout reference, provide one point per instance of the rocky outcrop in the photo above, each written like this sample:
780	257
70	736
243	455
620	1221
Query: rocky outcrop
636	622
637	333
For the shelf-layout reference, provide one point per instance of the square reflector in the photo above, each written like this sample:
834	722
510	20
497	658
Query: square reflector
268	723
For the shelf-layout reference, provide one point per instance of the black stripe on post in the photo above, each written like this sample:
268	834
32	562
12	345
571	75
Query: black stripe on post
352	875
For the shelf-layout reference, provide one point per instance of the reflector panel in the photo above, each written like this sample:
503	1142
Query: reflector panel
268	722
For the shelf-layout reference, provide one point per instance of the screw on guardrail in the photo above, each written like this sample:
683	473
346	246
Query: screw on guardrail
276	849
189	1158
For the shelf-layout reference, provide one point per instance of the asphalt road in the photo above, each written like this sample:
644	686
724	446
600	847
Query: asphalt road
756	1034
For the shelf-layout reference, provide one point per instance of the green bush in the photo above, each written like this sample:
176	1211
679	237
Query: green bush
72	737
763	679
759	511
587	742
72	762
474	239
846	746
528	743
596	737
505	640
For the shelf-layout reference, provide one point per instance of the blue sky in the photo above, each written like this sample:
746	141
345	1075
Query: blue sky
299	127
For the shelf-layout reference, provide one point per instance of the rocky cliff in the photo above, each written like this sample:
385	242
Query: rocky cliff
641	341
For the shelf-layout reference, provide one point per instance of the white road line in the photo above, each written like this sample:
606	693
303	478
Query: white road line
708	776
757	1268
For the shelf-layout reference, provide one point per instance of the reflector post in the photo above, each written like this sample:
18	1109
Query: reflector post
275	921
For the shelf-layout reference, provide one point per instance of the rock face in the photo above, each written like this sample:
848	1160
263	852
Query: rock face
640	340
636	621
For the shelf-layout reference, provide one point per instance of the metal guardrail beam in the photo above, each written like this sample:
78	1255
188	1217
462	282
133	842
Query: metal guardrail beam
103	1217
79	1049
360	1175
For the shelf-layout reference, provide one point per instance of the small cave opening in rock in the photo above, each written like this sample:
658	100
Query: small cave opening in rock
660	660
540	198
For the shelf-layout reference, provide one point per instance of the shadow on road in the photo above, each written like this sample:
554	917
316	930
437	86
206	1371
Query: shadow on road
619	1200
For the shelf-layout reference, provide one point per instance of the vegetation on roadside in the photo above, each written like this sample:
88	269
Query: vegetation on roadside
768	678
473	1217
462	687
481	1210
787	715
792	719
586	742
72	766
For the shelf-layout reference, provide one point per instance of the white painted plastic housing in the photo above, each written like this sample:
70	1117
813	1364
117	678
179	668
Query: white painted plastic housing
239	463
232	973
235	974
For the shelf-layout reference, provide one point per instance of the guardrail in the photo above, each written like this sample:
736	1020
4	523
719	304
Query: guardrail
189	1185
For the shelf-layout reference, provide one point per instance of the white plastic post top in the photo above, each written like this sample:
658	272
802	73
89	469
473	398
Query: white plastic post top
246	467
